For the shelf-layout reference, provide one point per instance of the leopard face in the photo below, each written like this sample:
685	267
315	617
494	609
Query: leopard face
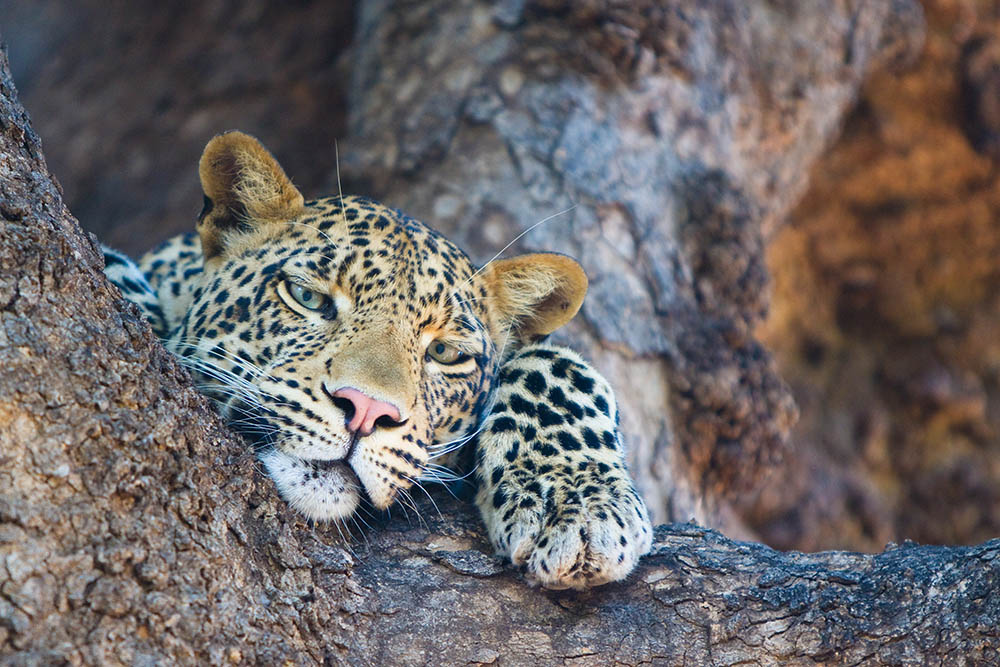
353	343
348	297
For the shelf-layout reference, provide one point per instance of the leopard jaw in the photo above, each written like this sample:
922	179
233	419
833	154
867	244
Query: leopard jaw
322	492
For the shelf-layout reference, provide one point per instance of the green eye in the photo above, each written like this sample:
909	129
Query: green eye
443	353
307	298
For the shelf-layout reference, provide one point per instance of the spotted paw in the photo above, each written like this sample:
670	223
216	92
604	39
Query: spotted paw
552	484
576	529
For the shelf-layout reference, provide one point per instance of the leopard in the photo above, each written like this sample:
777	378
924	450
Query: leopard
362	353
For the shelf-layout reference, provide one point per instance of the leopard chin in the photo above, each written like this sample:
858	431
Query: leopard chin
319	490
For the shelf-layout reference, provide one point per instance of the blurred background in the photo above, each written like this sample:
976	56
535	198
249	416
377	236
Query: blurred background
885	308
126	94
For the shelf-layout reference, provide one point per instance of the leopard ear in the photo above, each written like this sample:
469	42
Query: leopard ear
244	187
533	295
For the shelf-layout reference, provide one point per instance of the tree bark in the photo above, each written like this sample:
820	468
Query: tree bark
664	139
134	529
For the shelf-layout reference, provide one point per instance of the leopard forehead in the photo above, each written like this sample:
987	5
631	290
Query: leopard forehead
373	245
382	268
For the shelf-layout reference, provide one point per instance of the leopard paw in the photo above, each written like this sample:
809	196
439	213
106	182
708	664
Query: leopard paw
572	529
553	489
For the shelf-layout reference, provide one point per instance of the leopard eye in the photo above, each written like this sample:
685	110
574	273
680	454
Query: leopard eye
307	298
446	354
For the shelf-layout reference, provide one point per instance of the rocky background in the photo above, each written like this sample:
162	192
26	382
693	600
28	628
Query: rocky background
883	302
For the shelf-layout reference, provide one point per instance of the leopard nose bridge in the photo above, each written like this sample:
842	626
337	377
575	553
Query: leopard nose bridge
365	411
378	365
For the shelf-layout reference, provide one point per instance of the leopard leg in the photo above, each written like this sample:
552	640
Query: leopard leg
554	490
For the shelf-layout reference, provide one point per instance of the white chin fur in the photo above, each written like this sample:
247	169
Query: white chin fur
321	494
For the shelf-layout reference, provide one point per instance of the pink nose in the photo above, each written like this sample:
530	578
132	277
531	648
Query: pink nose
366	410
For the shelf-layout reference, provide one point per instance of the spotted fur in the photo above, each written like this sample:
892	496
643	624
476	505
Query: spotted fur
296	317
553	489
122	271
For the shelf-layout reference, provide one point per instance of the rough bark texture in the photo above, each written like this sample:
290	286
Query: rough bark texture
117	516
134	529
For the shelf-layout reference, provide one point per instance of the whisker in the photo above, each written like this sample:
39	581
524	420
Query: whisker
443	475
251	398
407	501
215	351
340	190
515	240
406	514
318	231
346	541
421	487
216	372
361	531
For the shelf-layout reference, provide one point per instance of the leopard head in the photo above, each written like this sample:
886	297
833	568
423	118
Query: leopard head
355	344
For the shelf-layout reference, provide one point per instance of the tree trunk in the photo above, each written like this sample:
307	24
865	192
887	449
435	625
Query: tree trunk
663	140
134	529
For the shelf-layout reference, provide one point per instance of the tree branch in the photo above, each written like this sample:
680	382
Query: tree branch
698	599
